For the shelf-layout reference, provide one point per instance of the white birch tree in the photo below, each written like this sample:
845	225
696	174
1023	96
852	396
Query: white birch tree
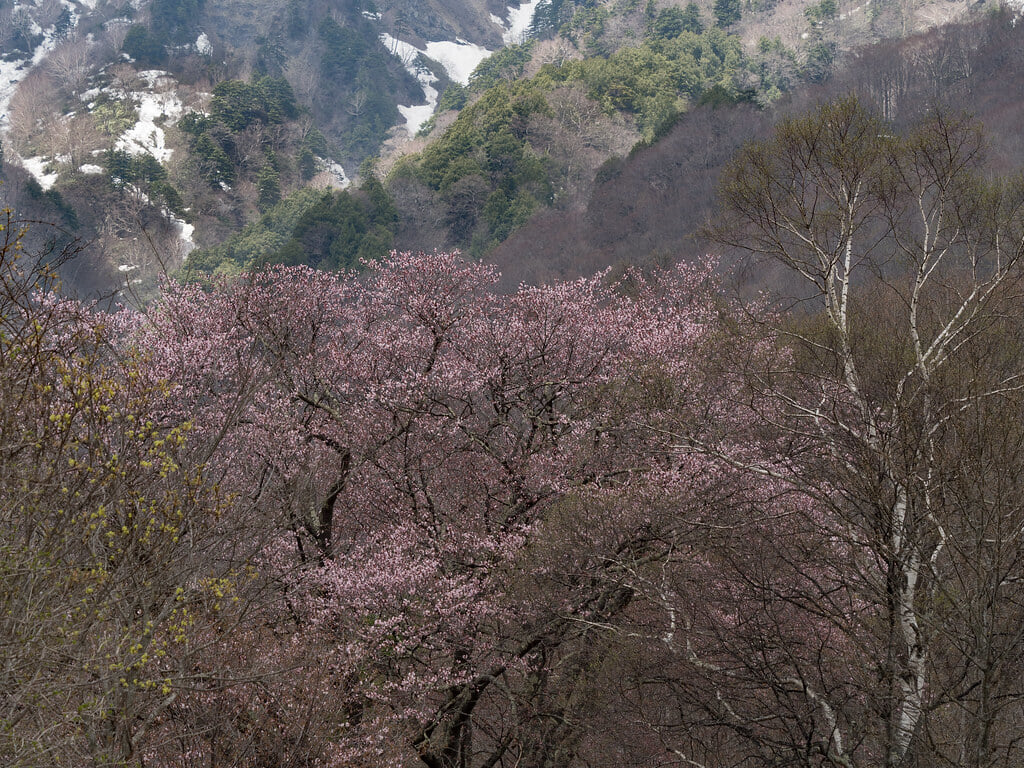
903	342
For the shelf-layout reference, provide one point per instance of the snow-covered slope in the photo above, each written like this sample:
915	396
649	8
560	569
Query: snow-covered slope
517	21
13	71
458	57
158	102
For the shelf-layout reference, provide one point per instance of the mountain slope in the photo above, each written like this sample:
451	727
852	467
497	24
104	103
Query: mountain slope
156	127
648	207
83	80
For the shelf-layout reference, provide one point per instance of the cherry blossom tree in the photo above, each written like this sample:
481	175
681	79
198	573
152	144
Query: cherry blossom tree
452	485
400	518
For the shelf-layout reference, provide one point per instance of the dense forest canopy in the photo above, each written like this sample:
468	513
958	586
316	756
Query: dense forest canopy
397	517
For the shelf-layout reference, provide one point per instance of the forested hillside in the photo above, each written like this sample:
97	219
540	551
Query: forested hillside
308	517
706	450
651	204
157	129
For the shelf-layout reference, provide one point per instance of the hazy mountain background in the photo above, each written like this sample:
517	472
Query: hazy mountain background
555	137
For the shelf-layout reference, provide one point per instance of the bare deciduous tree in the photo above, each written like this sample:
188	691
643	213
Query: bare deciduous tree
71	63
32	109
911	262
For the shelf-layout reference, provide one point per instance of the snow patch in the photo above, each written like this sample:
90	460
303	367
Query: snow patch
146	137
90	168
13	72
519	21
458	58
338	178
37	167
154	76
415	115
405	52
185	232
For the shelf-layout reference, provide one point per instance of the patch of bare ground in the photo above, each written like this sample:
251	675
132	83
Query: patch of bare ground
858	23
935	13
399	143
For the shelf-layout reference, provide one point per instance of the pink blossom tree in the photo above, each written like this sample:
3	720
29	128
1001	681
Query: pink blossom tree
399	518
450	481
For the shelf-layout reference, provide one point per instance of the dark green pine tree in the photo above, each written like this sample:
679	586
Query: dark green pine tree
268	184
727	12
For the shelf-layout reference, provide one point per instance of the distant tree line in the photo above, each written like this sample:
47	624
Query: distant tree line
326	230
486	168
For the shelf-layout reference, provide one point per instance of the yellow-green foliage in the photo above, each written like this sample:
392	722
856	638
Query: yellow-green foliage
106	523
113	116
